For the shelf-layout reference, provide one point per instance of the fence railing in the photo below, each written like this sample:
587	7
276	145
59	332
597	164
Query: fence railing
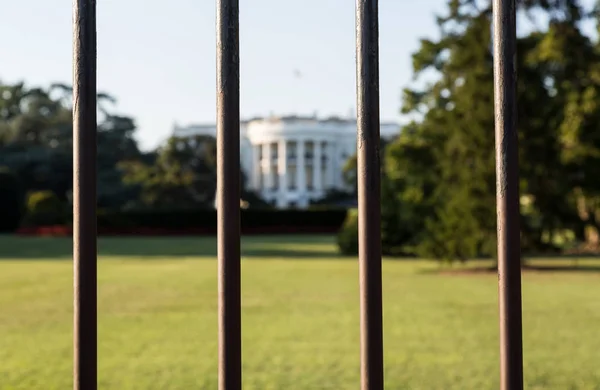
507	195
84	195
228	172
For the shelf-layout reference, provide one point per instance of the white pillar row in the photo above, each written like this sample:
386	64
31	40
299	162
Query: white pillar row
340	162
256	168
300	167
329	152
282	165
317	167
267	165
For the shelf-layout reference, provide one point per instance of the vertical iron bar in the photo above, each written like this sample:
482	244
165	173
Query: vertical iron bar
369	203
84	195
507	196
228	195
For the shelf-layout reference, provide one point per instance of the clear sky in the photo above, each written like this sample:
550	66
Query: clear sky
158	57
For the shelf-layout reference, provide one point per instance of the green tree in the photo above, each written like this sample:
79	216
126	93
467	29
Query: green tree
44	208
397	225
36	141
182	174
442	165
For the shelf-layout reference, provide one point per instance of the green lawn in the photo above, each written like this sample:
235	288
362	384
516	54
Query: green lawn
157	319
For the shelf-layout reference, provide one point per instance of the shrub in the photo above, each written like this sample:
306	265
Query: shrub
347	237
44	208
11	201
192	221
455	232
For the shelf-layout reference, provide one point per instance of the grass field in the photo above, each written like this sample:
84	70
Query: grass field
157	319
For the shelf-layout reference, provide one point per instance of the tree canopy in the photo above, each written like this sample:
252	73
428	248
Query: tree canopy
441	167
36	140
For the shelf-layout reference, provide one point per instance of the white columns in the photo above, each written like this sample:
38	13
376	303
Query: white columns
282	165
273	176
317	169
267	163
282	171
330	179
300	167
256	168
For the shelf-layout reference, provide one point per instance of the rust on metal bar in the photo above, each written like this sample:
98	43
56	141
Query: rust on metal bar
369	203
228	195
84	195
507	196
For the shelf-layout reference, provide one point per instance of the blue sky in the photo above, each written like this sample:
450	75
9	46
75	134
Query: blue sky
158	57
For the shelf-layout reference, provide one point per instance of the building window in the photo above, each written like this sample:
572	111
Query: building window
291	149
263	180
291	177
275	185
309	177
309	150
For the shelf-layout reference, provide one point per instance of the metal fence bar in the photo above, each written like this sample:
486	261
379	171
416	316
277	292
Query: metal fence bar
84	195
507	196
228	195
369	203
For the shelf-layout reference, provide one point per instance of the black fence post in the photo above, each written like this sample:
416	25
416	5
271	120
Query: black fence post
507	195
84	195
228	195
369	202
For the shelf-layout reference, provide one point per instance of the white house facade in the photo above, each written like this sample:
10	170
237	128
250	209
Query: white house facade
291	161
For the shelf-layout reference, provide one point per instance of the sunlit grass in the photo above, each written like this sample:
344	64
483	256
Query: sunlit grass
158	324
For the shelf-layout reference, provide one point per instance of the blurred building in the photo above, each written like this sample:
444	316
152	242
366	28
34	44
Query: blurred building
291	161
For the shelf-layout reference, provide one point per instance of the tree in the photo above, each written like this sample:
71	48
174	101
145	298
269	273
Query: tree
397	234
183	174
36	141
442	165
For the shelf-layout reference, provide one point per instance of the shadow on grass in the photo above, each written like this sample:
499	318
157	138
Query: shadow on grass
552	265
563	268
265	247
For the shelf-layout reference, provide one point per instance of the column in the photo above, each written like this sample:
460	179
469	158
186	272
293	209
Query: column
282	172
267	161
300	168
256	168
317	167
330	179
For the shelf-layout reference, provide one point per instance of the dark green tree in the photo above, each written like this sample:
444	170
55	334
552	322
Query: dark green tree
36	141
442	165
182	174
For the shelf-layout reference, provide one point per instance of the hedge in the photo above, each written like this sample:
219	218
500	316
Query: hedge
204	221
11	200
347	237
207	218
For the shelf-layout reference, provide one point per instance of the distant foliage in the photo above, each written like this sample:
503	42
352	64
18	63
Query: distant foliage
438	188
347	237
11	201
442	166
44	208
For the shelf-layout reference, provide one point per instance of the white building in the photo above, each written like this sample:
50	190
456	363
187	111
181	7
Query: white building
292	160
